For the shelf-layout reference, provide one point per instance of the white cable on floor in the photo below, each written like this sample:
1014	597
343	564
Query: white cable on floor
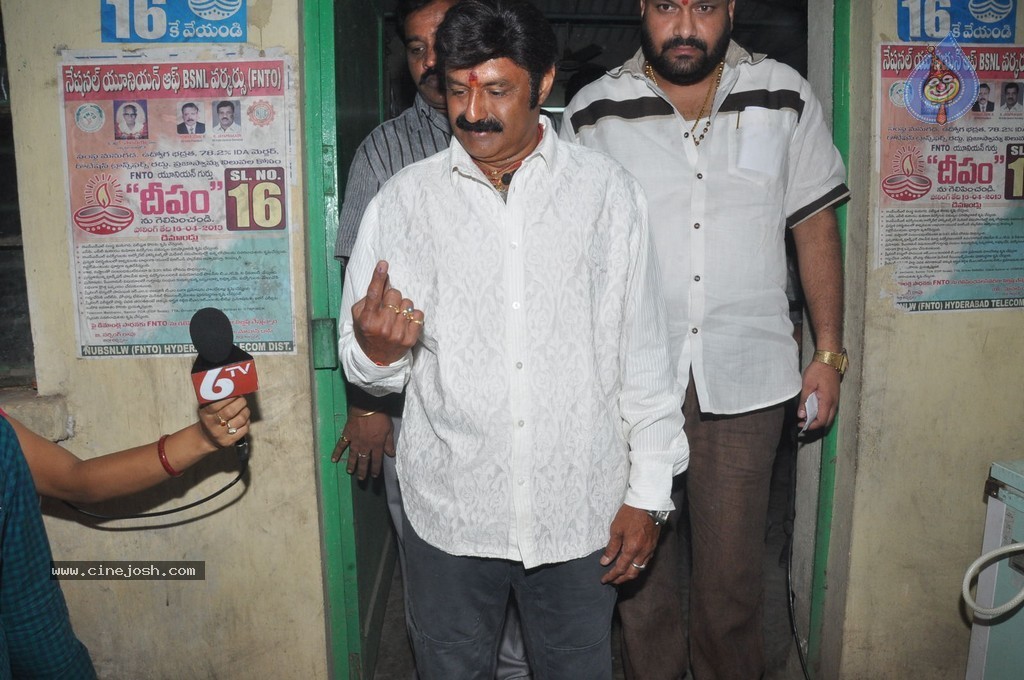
975	569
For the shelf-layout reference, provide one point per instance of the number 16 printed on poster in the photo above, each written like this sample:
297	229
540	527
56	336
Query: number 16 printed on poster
170	21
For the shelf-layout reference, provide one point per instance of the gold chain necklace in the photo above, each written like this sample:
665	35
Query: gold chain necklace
705	109
501	178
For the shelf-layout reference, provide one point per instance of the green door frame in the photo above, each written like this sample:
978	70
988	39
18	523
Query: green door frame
830	445
358	553
337	529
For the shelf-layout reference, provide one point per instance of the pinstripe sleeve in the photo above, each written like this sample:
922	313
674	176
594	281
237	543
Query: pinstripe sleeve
360	189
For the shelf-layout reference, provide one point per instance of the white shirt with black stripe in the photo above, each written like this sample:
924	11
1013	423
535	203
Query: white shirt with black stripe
718	213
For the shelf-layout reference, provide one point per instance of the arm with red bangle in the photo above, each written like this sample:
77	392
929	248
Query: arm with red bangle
61	474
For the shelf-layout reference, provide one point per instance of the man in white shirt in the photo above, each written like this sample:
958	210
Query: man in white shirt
1011	98
226	118
732	150
510	286
131	123
420	131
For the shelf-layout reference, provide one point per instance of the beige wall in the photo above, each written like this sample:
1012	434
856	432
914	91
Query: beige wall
260	611
938	400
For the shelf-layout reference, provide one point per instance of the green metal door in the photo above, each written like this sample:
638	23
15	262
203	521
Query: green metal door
341	88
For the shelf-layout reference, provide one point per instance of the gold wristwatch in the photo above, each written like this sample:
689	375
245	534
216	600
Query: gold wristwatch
837	360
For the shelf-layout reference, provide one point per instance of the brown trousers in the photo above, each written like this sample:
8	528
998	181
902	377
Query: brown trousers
725	498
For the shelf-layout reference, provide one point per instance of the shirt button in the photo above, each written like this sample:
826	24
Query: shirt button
521	423
694	331
686	135
697	277
514	245
522	482
519	364
515	305
700	175
696	225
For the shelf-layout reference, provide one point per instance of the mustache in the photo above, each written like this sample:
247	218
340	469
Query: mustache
485	125
680	41
431	72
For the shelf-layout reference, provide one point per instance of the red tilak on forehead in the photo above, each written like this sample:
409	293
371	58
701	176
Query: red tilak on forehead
473	80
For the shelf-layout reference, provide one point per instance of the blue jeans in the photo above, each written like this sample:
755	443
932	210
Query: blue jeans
457	606
512	662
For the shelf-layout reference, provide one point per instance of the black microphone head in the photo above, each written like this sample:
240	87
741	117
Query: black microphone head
212	335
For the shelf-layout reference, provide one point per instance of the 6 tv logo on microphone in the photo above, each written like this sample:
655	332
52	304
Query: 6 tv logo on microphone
222	382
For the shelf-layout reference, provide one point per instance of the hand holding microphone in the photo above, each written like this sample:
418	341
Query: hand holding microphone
226	421
221	371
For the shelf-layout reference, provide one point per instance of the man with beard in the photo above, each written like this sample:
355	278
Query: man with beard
509	284
420	131
731	149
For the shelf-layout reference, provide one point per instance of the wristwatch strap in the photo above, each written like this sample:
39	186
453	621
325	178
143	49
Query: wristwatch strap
837	360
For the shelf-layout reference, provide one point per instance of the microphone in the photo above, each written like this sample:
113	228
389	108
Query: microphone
221	369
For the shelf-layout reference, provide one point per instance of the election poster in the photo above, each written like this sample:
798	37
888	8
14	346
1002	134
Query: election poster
179	176
951	193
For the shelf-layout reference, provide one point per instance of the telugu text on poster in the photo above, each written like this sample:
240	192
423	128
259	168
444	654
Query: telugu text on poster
178	176
951	199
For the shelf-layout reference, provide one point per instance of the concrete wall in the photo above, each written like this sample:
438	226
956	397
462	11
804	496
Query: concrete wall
938	400
260	611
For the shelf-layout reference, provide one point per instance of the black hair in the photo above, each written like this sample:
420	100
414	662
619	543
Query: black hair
1011	86
227	103
475	31
402	12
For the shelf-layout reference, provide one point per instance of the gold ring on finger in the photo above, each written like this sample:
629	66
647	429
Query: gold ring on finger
394	309
416	321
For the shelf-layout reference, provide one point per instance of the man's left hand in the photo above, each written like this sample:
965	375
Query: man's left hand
631	546
824	380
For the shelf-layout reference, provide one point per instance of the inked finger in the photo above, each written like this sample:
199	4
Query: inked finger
378	283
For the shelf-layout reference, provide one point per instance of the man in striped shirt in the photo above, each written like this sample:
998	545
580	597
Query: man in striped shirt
417	133
732	150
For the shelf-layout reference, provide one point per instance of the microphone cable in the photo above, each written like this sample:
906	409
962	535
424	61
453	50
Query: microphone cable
241	448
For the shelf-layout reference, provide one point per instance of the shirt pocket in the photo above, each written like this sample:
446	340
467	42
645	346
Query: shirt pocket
758	147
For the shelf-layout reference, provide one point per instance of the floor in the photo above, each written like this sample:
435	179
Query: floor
395	660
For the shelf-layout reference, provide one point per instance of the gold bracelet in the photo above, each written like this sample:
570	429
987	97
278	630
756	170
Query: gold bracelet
368	413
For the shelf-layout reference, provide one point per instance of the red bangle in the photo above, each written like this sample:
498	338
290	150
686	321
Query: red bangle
163	457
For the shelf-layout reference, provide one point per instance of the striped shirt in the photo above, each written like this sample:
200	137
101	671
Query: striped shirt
418	132
719	212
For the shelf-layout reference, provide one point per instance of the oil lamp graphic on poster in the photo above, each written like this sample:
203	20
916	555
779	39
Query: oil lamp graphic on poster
103	213
906	183
943	86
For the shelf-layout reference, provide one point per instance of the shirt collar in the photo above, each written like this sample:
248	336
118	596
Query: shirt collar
431	115
461	164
